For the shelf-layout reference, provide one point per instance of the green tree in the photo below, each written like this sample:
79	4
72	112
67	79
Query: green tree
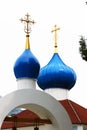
83	48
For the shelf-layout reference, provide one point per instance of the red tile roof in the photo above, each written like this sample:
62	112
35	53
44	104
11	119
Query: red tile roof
77	113
25	118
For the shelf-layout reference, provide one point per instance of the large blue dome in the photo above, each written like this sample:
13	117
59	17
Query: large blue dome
56	75
26	66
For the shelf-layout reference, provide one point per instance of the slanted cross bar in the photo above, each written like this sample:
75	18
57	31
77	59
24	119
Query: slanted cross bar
27	22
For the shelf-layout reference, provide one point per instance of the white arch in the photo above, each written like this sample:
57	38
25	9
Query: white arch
51	106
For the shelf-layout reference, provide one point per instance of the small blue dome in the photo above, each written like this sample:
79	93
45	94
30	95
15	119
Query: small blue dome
26	66
56	75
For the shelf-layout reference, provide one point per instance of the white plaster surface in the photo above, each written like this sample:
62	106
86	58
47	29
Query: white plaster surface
26	83
58	93
40	102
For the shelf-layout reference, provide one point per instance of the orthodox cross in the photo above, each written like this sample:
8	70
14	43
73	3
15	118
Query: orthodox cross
55	34
27	22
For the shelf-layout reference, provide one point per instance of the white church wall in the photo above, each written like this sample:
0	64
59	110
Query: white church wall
80	127
58	93
42	127
26	83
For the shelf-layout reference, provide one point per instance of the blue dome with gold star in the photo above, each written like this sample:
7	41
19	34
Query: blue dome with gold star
56	74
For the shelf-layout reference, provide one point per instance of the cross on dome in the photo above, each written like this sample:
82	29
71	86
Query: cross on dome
28	22
55	36
27	29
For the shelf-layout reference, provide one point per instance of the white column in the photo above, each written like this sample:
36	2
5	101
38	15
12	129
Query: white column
26	83
58	93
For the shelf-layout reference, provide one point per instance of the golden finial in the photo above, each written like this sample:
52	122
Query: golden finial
27	29
55	36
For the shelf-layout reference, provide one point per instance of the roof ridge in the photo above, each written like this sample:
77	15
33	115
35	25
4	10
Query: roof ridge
74	111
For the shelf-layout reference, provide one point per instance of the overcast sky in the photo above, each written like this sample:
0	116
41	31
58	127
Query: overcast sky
69	15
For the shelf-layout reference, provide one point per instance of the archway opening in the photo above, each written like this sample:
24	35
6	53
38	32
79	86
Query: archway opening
42	104
27	116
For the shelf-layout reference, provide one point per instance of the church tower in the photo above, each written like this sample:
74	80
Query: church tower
26	67
56	78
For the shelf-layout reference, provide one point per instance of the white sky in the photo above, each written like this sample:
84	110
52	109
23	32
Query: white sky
69	15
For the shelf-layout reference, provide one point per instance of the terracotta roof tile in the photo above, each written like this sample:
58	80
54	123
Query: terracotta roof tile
77	113
25	118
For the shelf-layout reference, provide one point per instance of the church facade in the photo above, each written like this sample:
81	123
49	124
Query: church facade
29	108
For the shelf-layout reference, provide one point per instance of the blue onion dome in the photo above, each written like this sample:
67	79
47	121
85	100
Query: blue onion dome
56	74
27	65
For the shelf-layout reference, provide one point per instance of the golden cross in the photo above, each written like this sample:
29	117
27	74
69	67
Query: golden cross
27	22
55	35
